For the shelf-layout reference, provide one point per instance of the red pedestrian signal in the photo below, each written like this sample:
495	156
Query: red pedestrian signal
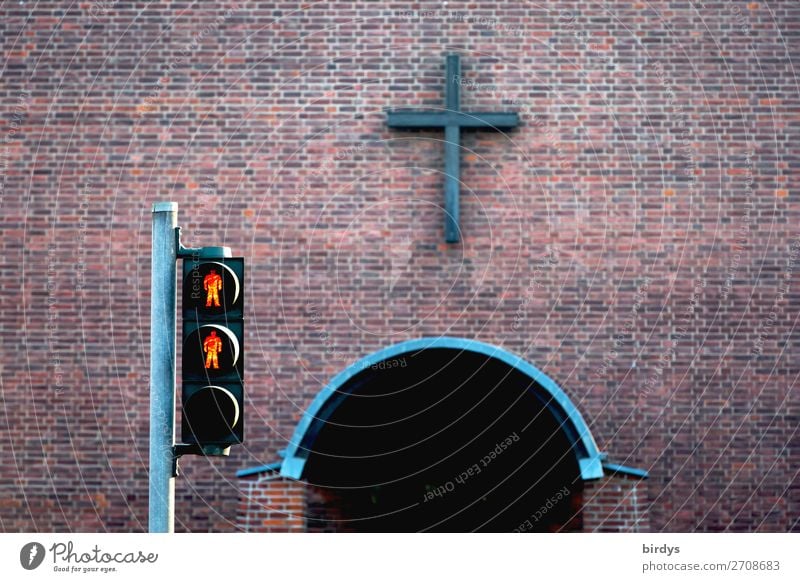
213	362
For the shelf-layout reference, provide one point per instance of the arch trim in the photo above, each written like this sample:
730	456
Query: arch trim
590	459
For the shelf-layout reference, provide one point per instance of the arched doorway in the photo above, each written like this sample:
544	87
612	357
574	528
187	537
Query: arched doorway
442	434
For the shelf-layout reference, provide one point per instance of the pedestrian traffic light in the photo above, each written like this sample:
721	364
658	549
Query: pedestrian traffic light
213	352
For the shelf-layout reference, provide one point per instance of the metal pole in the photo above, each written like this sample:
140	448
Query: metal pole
162	367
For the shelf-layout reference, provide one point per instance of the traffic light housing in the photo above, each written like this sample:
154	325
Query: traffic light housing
213	352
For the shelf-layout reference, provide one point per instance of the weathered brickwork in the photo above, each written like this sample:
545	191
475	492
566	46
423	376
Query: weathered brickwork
615	504
270	503
635	238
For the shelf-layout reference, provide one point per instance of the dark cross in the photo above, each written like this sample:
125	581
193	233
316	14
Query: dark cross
452	119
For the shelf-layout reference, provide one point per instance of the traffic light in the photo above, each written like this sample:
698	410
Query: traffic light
213	352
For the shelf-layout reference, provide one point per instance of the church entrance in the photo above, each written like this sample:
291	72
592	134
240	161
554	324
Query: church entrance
442	435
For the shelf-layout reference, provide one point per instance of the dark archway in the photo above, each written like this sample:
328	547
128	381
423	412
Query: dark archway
439	437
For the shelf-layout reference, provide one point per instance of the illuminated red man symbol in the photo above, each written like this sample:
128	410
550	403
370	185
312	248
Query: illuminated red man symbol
212	346
213	285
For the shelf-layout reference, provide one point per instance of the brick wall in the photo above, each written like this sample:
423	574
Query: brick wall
271	503
615	504
635	238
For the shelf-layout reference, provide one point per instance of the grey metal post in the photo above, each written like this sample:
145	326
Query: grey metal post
162	367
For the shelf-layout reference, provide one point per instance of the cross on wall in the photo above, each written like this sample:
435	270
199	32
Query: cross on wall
452	119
